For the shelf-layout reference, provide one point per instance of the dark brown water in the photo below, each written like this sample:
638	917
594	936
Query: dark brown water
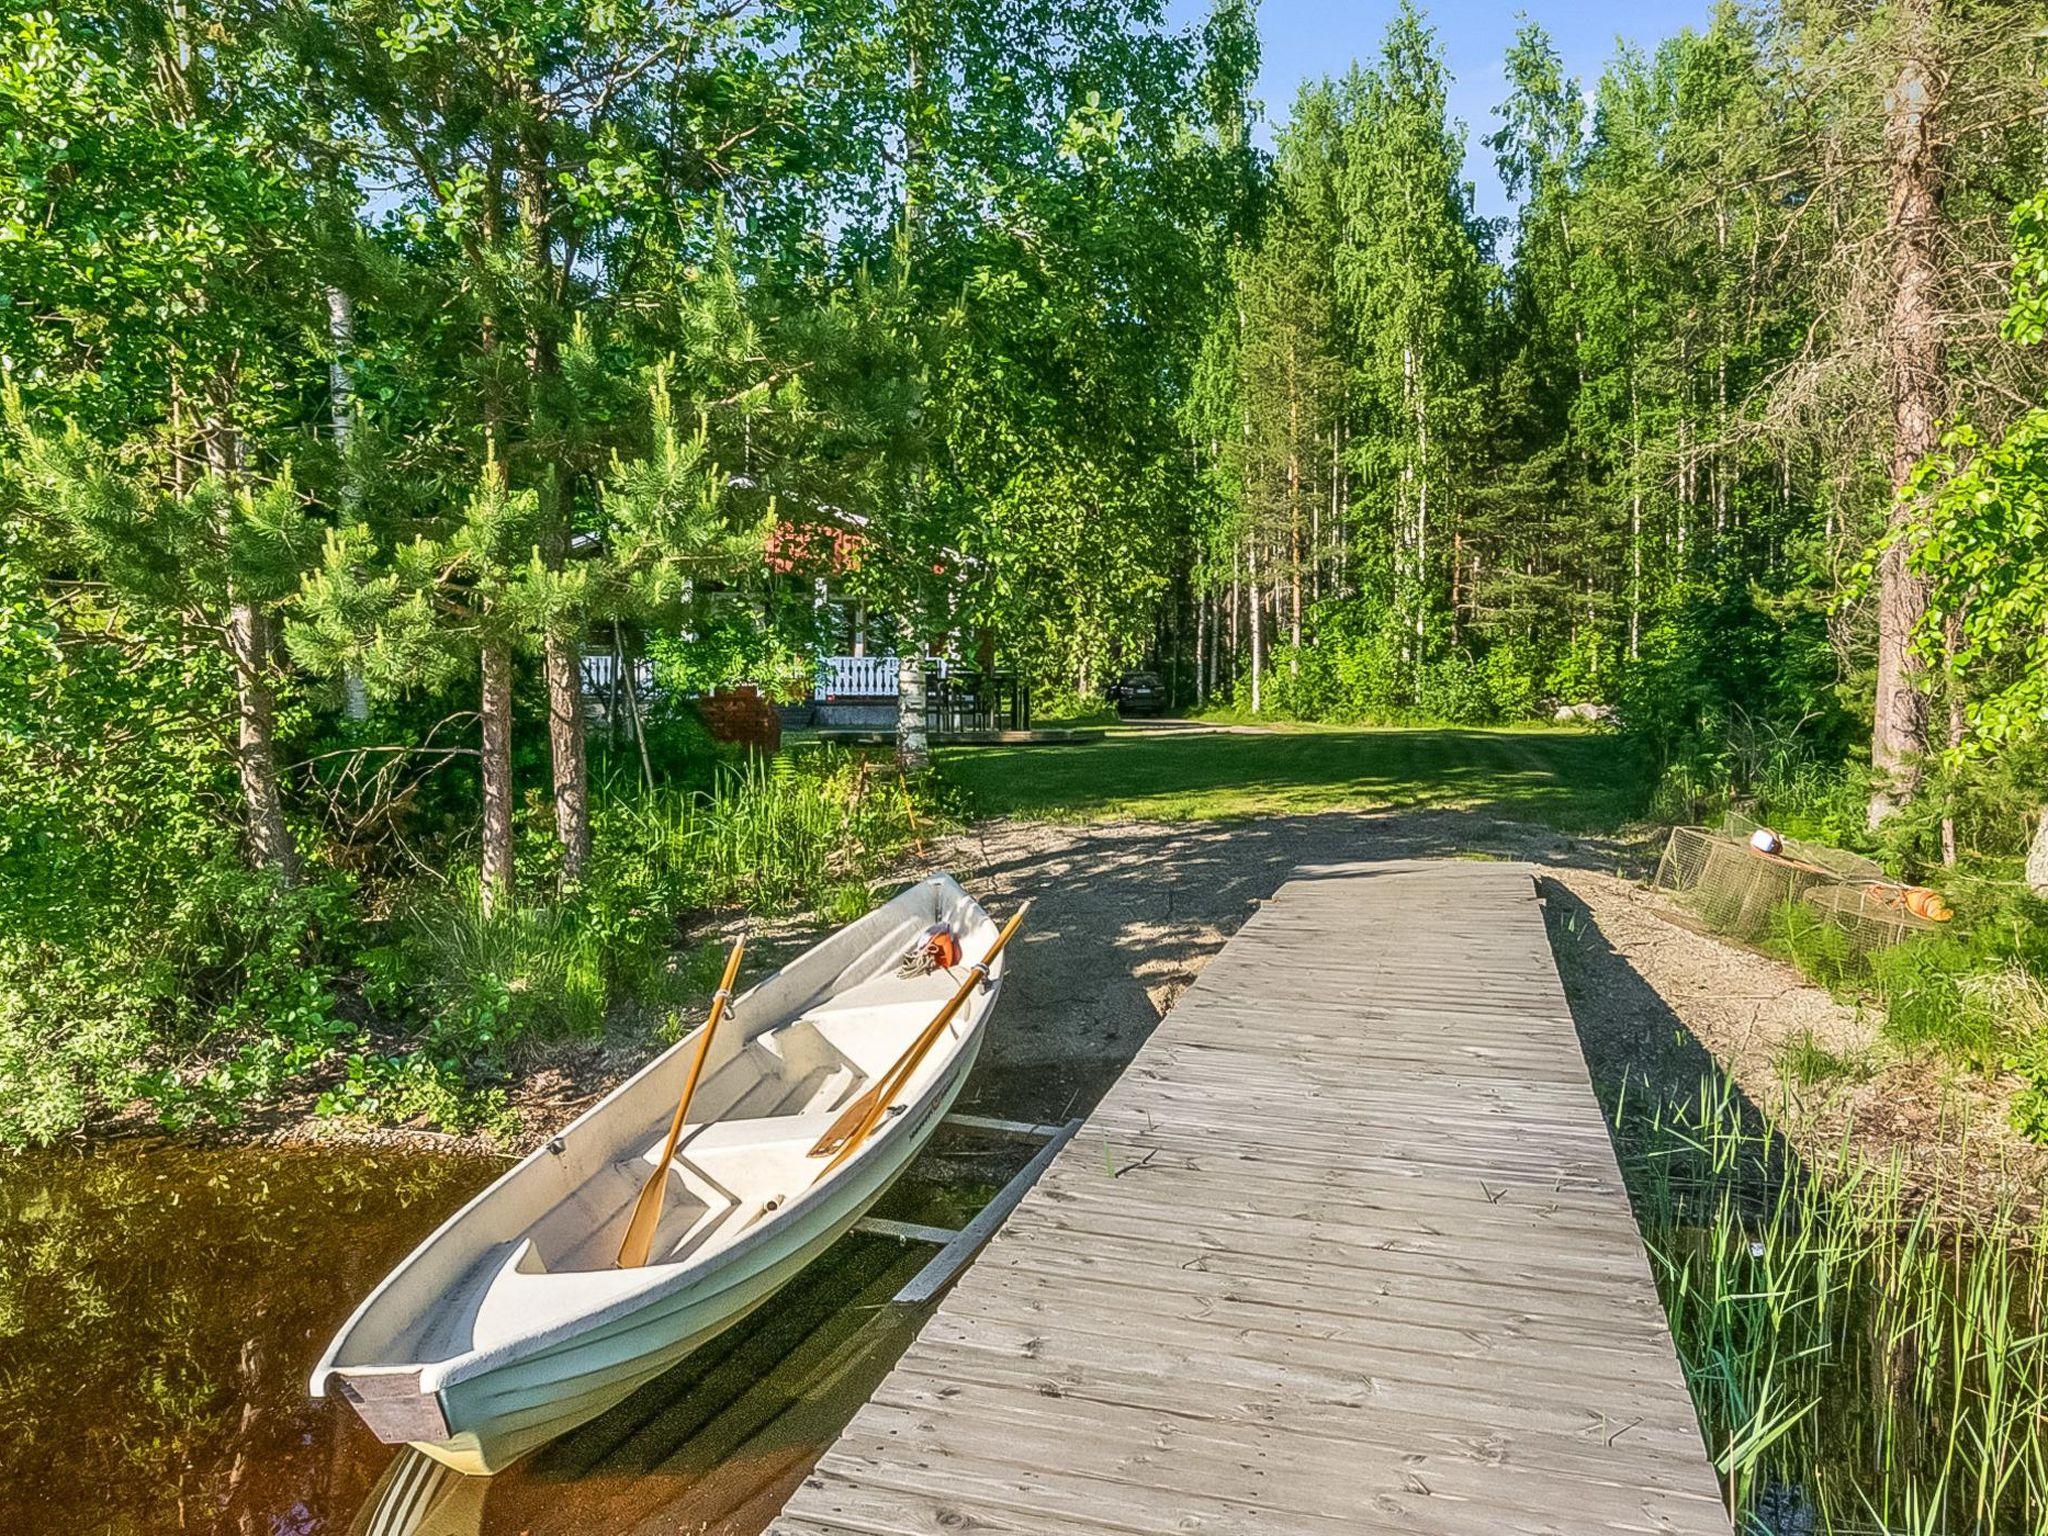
162	1306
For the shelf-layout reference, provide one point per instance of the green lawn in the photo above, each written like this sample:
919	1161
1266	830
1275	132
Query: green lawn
1576	781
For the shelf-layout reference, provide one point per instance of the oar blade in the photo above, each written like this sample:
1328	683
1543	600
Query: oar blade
638	1244
639	1240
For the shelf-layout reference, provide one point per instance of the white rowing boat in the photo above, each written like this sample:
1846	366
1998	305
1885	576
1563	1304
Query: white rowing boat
513	1322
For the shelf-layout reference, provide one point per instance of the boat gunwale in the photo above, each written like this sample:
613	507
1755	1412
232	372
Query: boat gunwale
662	1278
645	1314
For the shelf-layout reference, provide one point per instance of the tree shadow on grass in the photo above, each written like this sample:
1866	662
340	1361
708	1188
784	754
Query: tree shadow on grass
1574	780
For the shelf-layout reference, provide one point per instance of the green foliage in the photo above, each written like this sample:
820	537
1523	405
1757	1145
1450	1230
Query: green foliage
217	993
1584	670
1983	544
1353	672
1453	688
1736	693
730	644
1508	671
462	996
639	286
771	835
1357	672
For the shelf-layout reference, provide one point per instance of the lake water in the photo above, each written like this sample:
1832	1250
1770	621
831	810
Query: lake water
161	1307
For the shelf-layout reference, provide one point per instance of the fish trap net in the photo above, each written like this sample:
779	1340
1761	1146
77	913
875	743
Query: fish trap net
1743	892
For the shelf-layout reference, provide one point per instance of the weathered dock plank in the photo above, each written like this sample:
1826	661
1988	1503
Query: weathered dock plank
1345	1249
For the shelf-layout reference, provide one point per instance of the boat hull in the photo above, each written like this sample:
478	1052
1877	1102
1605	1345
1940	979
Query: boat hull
496	1417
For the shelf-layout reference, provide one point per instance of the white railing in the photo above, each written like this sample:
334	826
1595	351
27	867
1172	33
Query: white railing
856	677
866	677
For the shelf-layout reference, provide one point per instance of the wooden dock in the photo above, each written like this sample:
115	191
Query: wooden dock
1345	1250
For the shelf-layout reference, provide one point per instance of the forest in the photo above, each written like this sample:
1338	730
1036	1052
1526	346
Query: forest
370	365
1733	429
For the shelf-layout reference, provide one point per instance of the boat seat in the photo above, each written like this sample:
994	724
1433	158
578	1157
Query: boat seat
871	1024
710	1140
779	1098
523	1295
697	1202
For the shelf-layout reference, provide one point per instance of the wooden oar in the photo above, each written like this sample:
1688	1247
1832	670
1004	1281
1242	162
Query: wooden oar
647	1209
859	1117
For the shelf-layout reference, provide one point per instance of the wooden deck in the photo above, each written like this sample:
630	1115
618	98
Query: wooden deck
1345	1249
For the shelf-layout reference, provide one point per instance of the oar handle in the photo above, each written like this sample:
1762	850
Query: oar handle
884	1093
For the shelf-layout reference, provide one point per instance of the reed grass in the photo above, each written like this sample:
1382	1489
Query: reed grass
1856	1366
772	835
1807	1061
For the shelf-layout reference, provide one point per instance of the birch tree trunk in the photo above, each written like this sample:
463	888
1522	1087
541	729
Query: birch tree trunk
495	668
341	336
1215	637
2037	858
1294	524
1914	363
913	743
1258	631
1236	632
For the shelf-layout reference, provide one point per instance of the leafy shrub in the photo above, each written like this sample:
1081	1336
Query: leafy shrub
1353	672
1360	670
417	1087
1736	689
1510	671
1369	672
728	643
1454	688
2019	1001
1584	671
70	1039
200	1005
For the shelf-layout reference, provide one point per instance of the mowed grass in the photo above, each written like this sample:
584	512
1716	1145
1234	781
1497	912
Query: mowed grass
1576	781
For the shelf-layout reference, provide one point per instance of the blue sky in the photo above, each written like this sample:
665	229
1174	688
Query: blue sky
1304	39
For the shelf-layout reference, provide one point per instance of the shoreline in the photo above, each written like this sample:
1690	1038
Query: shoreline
1127	912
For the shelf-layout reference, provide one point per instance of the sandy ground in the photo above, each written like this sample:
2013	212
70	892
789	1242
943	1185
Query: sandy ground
1124	914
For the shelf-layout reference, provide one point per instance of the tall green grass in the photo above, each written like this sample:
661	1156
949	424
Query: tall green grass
771	834
478	994
1856	1366
1972	992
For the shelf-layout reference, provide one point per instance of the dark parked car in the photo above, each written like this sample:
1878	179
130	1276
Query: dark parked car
1139	693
